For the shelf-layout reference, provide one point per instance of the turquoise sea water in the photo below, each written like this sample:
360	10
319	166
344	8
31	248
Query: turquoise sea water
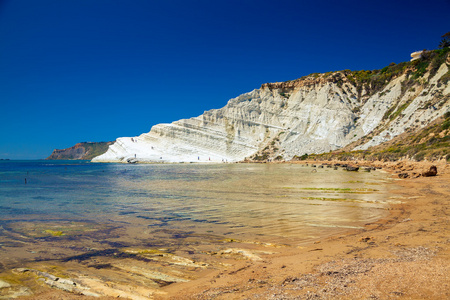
129	230
270	202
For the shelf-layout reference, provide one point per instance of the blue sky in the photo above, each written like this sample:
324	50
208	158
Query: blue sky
94	70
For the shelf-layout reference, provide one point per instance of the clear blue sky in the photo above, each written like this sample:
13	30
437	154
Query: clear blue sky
94	70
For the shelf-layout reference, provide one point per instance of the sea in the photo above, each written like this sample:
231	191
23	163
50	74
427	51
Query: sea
53	212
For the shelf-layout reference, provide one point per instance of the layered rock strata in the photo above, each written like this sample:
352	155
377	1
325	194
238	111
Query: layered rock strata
314	114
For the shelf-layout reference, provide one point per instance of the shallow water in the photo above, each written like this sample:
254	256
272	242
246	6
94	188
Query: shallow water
288	201
70	208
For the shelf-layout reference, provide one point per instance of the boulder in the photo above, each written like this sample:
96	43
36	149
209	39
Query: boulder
431	172
353	169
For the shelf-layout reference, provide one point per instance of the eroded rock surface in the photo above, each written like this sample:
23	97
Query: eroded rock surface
315	114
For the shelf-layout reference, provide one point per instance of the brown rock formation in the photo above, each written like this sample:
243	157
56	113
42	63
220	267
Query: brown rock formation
431	172
85	150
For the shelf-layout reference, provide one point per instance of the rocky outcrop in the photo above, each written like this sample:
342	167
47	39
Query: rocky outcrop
85	150
431	172
314	114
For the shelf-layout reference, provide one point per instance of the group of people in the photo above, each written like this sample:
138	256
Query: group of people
134	140
209	158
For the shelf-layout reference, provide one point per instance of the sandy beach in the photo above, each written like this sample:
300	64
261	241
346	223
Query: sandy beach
403	256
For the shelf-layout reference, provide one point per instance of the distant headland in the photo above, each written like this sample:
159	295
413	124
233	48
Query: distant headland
84	150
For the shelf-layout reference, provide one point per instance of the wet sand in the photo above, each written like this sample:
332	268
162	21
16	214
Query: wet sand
403	256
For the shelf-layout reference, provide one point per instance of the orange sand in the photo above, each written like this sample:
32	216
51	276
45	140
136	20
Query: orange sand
404	256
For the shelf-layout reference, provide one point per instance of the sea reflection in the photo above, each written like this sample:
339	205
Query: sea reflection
285	203
282	203
166	223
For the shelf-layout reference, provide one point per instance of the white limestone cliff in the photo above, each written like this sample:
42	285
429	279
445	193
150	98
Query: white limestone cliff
315	114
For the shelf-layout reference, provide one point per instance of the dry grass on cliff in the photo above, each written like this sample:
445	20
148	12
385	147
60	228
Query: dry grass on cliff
431	143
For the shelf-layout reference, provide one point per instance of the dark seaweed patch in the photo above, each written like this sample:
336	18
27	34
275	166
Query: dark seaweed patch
145	218
127	213
115	253
89	255
181	235
11	244
42	198
157	225
14	211
162	283
115	244
100	266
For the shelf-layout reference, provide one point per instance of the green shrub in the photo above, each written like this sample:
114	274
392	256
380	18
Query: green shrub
421	66
304	157
439	57
446	124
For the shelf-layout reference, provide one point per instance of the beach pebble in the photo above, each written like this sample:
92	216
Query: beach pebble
21	270
4	284
365	239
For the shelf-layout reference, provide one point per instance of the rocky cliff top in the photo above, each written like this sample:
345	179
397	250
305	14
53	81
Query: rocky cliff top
370	79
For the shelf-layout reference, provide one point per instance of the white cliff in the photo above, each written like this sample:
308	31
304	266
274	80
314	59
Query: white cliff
314	114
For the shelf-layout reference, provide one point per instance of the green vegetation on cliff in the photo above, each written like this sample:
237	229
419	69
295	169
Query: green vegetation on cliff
374	81
431	143
415	77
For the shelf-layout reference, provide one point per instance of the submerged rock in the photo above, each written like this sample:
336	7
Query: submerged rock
68	285
240	252
14	292
4	284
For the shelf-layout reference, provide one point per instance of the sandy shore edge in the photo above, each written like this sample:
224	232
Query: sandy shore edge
404	256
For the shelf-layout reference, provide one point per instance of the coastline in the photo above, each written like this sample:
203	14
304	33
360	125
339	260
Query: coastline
405	255
402	255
